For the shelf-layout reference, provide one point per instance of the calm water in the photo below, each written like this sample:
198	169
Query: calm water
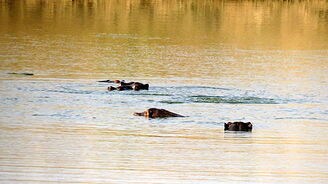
212	61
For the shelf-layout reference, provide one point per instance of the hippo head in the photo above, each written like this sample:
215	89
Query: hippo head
111	88
147	113
138	86
238	126
157	113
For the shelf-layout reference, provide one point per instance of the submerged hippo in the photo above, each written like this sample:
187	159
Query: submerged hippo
238	126
157	113
120	88
128	86
139	86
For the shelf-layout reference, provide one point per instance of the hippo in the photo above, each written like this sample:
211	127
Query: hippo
111	88
157	113
119	88
238	126
126	85
139	86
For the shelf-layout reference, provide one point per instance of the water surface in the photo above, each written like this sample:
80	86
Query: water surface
212	61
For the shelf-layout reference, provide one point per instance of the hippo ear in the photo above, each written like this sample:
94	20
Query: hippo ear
226	126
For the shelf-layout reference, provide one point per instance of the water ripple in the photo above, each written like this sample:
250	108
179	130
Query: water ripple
231	100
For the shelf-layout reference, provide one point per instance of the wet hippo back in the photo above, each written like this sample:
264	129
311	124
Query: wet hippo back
157	113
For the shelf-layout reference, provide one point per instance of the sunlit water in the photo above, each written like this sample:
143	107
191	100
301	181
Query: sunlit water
211	61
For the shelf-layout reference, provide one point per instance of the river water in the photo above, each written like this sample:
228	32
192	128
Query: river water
212	61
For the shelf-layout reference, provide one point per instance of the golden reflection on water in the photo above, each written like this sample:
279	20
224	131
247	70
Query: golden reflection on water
191	39
268	24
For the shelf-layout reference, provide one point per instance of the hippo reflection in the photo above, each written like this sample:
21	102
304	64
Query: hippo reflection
157	113
238	126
